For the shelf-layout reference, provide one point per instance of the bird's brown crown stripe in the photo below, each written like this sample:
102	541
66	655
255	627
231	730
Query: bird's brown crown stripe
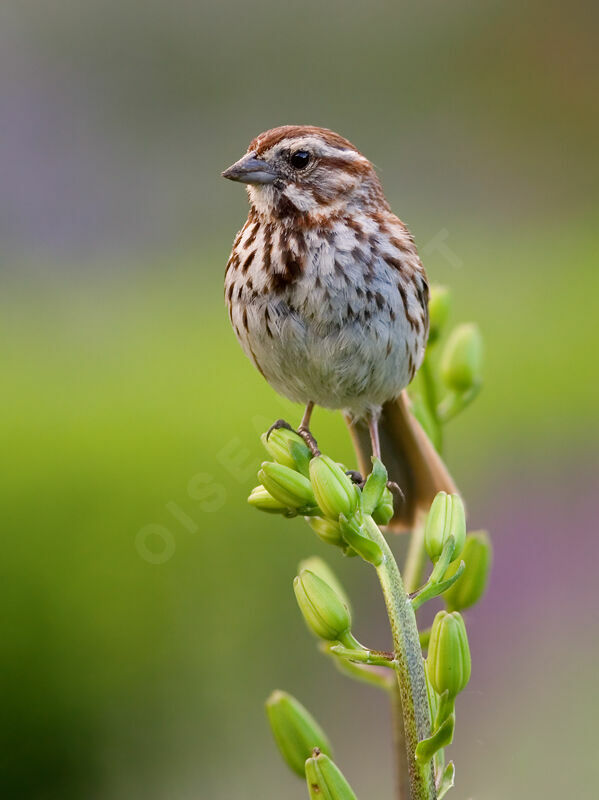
269	139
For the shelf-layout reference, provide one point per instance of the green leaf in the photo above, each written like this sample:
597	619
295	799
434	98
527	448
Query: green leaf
447	781
432	589
364	547
374	486
427	748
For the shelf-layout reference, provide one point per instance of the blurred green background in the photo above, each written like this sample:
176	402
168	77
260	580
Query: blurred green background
147	611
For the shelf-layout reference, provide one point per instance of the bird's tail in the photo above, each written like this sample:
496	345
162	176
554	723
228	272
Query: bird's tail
410	458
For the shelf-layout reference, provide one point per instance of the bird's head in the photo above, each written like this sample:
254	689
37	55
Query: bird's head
303	171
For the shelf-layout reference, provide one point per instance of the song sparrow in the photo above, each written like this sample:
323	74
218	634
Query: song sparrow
328	298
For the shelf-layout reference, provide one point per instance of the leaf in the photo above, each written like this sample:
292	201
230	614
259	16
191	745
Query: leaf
365	547
374	486
447	780
427	748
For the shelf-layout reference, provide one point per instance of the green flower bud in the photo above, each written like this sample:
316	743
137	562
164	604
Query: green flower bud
327	530
448	661
322	569
286	485
295	730
461	365
325	780
439	305
287	448
446	518
261	499
384	510
468	589
334	491
323	609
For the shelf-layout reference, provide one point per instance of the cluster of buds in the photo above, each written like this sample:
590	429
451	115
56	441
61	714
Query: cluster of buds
318	488
297	483
305	747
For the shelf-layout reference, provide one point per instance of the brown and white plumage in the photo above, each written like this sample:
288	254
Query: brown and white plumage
324	286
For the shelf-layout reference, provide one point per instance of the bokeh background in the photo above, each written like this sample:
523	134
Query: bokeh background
147	612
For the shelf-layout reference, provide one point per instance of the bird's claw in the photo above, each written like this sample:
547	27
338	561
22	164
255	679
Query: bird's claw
396	489
301	431
280	423
356	477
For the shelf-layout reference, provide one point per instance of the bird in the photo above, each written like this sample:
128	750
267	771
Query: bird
328	298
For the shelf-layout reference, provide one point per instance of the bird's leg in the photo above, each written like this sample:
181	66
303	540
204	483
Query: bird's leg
373	427
304	430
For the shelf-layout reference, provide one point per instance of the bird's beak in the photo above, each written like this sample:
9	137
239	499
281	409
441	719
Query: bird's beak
250	169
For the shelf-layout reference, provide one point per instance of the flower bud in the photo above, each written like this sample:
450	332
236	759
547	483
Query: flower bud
323	610
286	485
322	570
448	660
334	491
446	518
327	530
439	305
470	587
384	510
461	365
287	448
262	500
325	780
295	730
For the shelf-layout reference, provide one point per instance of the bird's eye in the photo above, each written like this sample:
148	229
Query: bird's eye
300	159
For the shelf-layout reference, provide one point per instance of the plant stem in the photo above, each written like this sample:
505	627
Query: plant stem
409	669
365	674
402	780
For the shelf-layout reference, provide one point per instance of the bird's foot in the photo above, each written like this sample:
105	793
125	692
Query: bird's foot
301	431
309	440
280	423
395	488
356	477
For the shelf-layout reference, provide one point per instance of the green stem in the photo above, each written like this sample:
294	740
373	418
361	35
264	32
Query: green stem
363	656
399	741
410	668
371	675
